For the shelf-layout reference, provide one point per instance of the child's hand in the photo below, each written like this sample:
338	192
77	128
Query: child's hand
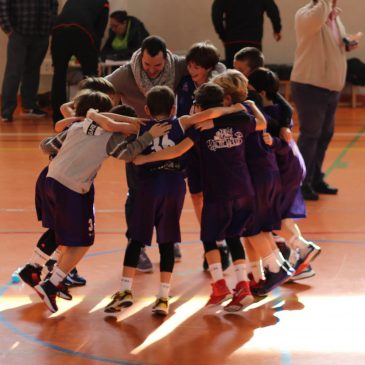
208	124
250	103
159	130
91	113
267	138
140	160
238	107
286	134
139	121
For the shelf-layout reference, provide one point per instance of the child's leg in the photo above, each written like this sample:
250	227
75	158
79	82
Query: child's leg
197	200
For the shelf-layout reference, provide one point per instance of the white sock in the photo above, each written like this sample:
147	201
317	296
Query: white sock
257	270
241	272
57	276
279	256
164	290
299	243
271	263
39	258
56	254
126	283
221	243
216	271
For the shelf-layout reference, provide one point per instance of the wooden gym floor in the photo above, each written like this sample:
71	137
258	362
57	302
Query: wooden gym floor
316	321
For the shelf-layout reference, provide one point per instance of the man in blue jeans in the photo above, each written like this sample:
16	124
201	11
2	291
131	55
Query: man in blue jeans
318	76
27	25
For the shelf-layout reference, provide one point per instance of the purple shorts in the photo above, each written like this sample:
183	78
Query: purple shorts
69	214
39	192
292	204
158	202
222	219
193	172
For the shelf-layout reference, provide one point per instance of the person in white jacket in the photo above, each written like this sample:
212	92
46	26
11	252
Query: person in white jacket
318	76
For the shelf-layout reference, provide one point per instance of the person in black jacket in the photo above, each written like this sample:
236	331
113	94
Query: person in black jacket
125	36
239	23
78	32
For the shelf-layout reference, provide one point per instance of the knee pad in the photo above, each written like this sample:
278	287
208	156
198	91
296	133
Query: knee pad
210	246
236	248
47	242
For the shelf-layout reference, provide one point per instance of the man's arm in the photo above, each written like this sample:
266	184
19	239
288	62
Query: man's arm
311	20
218	18
102	22
5	23
273	13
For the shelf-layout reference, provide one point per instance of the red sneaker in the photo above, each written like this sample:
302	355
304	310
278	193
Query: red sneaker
220	293
242	297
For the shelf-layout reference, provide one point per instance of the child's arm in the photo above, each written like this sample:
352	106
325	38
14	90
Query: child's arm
260	119
116	123
65	123
51	145
168	153
67	109
189	120
123	149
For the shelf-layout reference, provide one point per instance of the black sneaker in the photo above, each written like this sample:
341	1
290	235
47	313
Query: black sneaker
323	188
34	113
48	292
308	193
63	292
74	279
177	252
144	262
30	275
6	118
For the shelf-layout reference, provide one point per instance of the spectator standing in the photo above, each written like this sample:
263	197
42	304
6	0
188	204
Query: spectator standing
27	25
239	23
126	34
78	31
318	76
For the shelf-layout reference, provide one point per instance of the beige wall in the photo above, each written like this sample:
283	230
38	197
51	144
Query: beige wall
183	22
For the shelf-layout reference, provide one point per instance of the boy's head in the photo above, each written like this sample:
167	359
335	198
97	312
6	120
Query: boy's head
86	99
264	80
160	102
248	59
124	109
201	58
99	84
209	95
234	85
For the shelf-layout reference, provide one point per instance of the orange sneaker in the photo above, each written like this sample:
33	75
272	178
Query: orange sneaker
220	293
242	297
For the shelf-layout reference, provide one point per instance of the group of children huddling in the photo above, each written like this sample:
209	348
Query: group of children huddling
244	173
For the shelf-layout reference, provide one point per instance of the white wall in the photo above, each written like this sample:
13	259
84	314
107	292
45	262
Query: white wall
183	22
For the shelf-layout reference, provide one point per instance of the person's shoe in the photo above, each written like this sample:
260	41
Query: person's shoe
34	113
74	279
144	262
48	292
220	293
121	299
306	256
305	274
323	188
242	297
177	252
63	292
308	193
6	118
161	306
273	280
30	275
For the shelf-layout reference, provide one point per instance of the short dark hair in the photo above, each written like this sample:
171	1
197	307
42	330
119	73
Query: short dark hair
97	84
264	79
253	56
86	99
204	54
120	16
160	100
209	95
124	109
153	45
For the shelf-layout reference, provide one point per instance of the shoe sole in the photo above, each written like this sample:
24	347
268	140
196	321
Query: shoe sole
307	260
292	279
236	308
160	312
177	259
119	308
227	297
73	284
64	296
144	270
42	294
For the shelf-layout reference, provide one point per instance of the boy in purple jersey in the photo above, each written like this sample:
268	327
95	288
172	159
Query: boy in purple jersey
292	172
69	193
264	173
227	190
159	199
